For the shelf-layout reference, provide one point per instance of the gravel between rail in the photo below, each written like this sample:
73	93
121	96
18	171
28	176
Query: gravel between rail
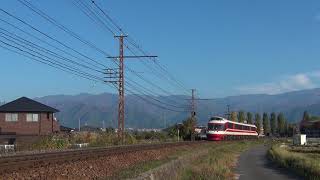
84	164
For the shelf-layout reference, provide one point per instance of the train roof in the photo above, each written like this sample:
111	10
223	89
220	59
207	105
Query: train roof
218	119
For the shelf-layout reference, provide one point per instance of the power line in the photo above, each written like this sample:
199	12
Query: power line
54	22
131	41
53	46
21	40
160	76
71	70
46	35
40	57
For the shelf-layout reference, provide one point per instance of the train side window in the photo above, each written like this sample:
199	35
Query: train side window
231	125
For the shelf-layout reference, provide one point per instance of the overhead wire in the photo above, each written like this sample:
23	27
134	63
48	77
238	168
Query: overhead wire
133	43
129	69
45	35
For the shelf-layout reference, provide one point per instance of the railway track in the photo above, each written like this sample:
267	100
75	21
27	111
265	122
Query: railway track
18	162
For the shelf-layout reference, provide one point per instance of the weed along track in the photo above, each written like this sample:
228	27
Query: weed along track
71	163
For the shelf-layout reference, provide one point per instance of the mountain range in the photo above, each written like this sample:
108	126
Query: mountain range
101	109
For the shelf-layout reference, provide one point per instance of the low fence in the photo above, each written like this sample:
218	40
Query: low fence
6	148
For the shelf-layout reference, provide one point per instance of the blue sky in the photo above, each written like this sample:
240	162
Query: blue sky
221	48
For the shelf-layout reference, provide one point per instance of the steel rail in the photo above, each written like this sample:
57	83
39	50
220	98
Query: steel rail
24	161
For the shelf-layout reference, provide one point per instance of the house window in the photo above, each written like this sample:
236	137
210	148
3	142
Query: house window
32	117
11	117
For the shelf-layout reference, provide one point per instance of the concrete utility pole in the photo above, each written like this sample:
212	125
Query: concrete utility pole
228	114
193	113
193	104
193	109
116	76
79	124
164	120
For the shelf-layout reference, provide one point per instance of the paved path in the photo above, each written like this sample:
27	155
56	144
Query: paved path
253	165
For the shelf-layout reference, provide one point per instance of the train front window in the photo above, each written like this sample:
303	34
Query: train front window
215	127
216	118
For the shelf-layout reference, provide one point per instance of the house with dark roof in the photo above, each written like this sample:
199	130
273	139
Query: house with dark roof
25	116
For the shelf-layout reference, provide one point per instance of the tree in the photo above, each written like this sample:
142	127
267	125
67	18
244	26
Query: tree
188	128
273	123
306	116
258	122
249	118
234	116
241	116
266	124
281	124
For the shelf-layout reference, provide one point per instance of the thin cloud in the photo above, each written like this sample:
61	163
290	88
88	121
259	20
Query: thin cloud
285	84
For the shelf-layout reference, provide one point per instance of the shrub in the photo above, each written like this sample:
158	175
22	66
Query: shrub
51	142
298	162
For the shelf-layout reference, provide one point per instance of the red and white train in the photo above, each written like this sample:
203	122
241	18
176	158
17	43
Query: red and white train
220	128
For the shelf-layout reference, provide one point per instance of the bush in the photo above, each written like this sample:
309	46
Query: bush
51	142
300	163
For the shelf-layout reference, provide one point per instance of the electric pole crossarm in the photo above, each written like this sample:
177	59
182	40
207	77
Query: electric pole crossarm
116	76
116	57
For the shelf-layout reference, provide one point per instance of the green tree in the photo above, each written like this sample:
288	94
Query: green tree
266	124
188	128
249	118
241	116
306	116
281	124
258	122
273	123
234	116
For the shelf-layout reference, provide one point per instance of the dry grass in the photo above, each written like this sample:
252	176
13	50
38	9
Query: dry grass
305	164
219	162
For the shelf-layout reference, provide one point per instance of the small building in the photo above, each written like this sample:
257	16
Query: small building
300	139
311	128
25	116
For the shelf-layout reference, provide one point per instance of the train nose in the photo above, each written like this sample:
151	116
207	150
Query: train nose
215	137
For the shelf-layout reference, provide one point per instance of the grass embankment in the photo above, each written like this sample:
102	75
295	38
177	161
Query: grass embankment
94	139
304	161
219	162
142	167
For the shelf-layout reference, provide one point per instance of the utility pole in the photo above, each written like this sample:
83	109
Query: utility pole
116	76
164	120
228	114
193	113
193	110
79	124
193	104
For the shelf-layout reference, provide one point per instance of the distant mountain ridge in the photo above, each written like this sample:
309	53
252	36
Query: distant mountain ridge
94	109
